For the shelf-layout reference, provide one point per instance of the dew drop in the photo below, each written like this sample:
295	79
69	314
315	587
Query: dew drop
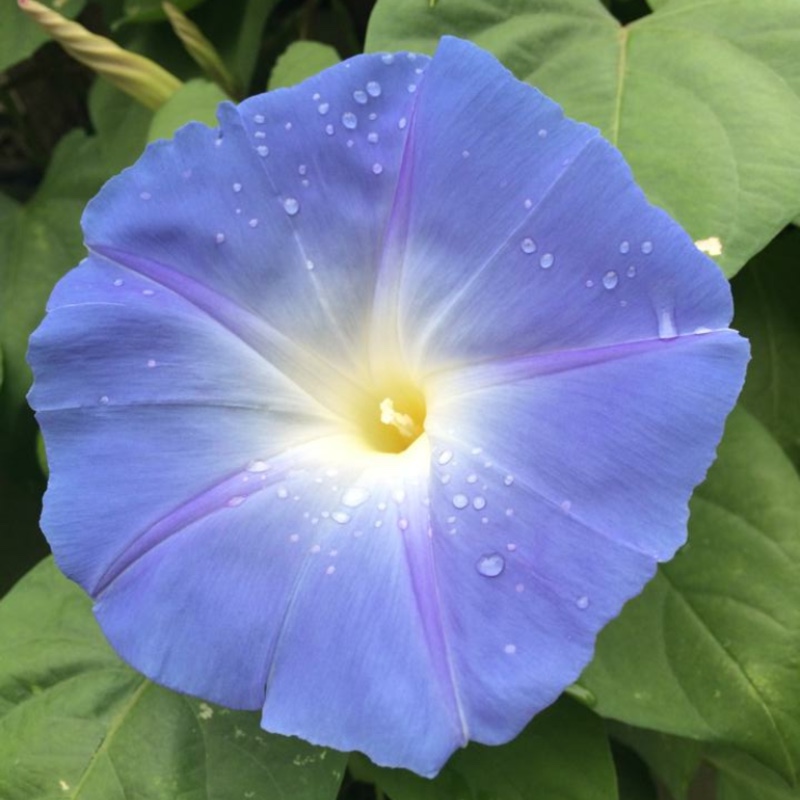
219	238
151	362
342	517
302	169
582	602
542	133
465	154
349	120
546	261
511	547
145	195
528	245
262	150
460	500
104	399
589	283
315	548
631	271
260	135
472	478
490	565
377	168
283	492
402	122
360	97
387	58
624	247
294	538
259	119
291	206
119	282
519	588
236	501
372	138
330	570
566	506
445	457
610	279
329	129
412	87
355	496
402	523
309	265
374	89
647	247
324	108
148	292
510	649
508	480
237	187
479	502
528	203
253	223
666	325
350	142
373	116
258	466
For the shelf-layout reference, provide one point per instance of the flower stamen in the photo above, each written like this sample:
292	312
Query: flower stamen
403	422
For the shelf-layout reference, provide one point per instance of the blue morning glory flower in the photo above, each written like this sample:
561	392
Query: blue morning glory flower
370	408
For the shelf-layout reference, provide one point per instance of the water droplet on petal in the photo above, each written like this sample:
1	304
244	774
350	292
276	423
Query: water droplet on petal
324	108
257	466
349	120
219	238
302	169
262	150
119	282
666	325
490	565
360	96
647	247
104	399
294	537
355	496
377	168
330	570
258	118
151	362
237	187
528	203
374	89
236	501
402	523
460	500
253	223
445	457
372	138
508	480
402	122
528	245
631	271
342	517
624	246
582	602
387	58
542	133
546	261
412	87
145	195
329	129
610	279
291	206
283	492
479	502
510	649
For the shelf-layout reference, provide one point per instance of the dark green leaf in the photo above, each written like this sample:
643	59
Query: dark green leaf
77	724
767	297
196	100
301	60
562	754
20	36
710	649
703	98
39	242
742	778
151	10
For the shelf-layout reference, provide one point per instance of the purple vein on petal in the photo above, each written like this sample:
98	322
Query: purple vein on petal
311	374
227	492
464	380
440	318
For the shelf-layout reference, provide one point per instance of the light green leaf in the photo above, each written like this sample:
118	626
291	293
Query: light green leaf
196	100
122	125
742	778
563	753
20	36
301	60
151	10
703	98
710	649
39	242
77	724
767	300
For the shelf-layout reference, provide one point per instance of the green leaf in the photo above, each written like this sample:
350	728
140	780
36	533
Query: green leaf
77	724
767	298
563	753
301	60
703	98
151	10
122	125
39	242
674	761
741	778
196	100
710	649
20	36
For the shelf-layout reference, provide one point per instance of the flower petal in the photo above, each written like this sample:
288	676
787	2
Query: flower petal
526	232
